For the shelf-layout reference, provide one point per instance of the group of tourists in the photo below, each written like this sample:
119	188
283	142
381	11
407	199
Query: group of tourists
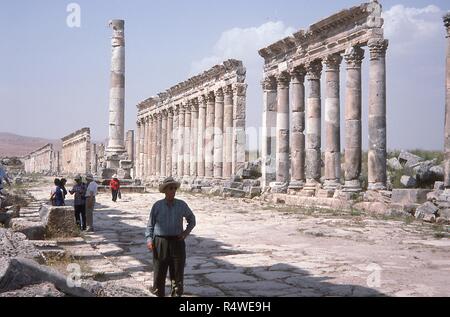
84	199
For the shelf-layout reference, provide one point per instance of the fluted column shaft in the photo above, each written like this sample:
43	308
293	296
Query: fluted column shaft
209	137
158	145
218	134
377	177
181	123
187	140
239	135
282	157
268	144
313	128
147	146
169	134
163	144
194	138
447	107
353	106
176	117
151	149
332	123
201	137
228	132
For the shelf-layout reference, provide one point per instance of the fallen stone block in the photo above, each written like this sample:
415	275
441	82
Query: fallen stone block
409	196
439	186
408	159
232	192
425	212
59	221
15	244
394	164
32	230
408	181
444	214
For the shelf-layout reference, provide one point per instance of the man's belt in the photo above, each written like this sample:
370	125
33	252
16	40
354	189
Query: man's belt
168	237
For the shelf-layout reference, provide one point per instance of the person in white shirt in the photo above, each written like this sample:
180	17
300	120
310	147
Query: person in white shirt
91	192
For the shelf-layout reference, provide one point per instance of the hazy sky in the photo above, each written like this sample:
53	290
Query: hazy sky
55	79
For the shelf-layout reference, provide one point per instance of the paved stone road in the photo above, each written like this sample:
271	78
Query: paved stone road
251	248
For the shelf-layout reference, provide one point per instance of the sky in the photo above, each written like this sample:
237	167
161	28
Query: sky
54	75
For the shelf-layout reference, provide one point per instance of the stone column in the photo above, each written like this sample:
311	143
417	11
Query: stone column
298	129
194	138
164	143
141	147
154	143
313	129
201	136
93	158
209	136
117	92
218	134
282	157
146	143
332	123
377	177
228	133
169	134
181	122
268	144
130	145
138	150
447	107
187	140
239	135
175	144
353	104
151	127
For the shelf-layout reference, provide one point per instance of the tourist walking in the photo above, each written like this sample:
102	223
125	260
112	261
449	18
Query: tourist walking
56	194
91	192
115	187
63	187
165	238
79	204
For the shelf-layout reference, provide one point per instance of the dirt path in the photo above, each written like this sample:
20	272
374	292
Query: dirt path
250	248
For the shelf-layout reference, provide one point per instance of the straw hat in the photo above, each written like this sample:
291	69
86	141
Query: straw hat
168	181
115	176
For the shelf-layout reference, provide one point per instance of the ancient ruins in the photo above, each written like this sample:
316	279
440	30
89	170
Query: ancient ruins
297	164
76	153
43	161
447	105
196	129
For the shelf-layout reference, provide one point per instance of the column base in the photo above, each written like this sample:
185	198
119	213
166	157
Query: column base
377	186
295	187
278	187
310	188
331	184
353	186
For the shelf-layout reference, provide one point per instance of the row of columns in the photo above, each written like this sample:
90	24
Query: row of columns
201	138
298	159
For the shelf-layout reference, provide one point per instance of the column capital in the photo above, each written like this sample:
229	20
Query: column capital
148	118
240	89
187	106
377	48
283	80
447	23
333	62
170	112
181	108
269	83
314	70
203	99
219	93
164	113
211	97
354	56
194	105
228	90
138	123
298	75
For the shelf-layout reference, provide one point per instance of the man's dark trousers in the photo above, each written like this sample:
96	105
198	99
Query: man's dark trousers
114	195
80	212
168	253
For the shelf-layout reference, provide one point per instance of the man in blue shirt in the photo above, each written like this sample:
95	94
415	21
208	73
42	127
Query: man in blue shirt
3	177
165	238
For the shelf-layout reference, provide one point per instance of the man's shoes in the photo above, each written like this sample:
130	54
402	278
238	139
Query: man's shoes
89	229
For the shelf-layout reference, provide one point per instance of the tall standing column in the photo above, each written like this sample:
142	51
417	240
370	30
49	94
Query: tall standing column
201	136
447	107
332	123
228	132
353	104
268	144
218	134
187	140
154	143
146	145
141	147
209	136
298	129
169	134
313	129
163	143
151	133
130	145
117	93
138	150
176	113
194	138
239	135
181	121
377	177
282	158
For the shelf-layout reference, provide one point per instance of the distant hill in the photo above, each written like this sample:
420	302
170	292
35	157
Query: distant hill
17	145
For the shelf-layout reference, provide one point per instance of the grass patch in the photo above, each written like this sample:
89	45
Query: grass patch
61	263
